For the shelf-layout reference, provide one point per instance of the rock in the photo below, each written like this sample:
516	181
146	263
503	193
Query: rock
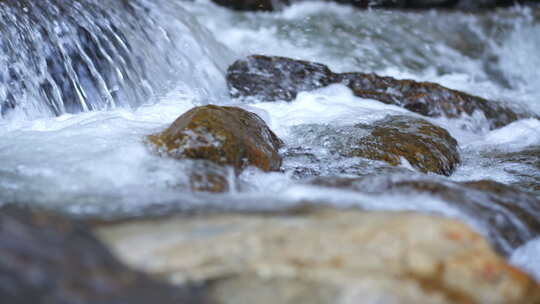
303	162
426	98
252	5
525	165
209	177
275	78
426	147
267	78
271	5
46	259
224	135
325	257
509	217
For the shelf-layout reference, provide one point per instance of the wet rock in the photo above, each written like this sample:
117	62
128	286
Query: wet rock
46	259
207	176
325	257
271	5
267	78
275	78
509	216
525	165
426	147
303	162
224	135
252	5
425	98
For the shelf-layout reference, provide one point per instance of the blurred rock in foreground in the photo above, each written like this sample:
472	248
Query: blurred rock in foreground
324	256
47	259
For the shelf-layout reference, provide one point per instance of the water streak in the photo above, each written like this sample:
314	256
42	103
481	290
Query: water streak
72	56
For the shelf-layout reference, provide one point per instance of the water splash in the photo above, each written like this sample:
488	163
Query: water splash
75	56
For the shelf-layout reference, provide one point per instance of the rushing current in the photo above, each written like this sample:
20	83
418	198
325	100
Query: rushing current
87	80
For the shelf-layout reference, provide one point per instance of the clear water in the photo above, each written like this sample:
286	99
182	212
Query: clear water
95	162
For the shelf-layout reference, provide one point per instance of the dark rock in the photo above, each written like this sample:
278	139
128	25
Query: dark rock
224	135
275	78
426	147
271	5
525	165
510	217
425	98
252	5
48	259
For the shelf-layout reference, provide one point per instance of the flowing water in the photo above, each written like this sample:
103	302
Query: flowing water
86	81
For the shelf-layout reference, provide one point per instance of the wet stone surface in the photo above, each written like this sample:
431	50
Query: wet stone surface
224	135
510	217
264	78
394	140
48	259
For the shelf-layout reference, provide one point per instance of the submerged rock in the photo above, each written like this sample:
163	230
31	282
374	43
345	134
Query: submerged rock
46	259
209	177
508	216
335	257
277	78
426	147
224	135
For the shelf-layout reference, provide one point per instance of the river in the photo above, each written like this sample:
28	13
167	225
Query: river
83	151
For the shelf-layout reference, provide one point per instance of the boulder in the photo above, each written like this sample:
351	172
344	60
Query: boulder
323	257
267	78
252	5
395	139
426	98
48	259
508	216
224	135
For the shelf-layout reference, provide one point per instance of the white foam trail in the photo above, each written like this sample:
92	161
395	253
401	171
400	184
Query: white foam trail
527	257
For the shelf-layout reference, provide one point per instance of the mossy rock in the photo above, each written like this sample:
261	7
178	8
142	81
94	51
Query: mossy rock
224	135
426	147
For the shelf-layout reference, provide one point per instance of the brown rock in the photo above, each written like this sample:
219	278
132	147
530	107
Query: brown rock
224	135
267	78
324	257
206	176
426	98
48	259
425	146
510	217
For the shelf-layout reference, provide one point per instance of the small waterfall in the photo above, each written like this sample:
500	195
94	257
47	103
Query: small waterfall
62	56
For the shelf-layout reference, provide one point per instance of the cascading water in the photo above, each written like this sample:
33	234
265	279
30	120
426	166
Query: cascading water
147	62
62	56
